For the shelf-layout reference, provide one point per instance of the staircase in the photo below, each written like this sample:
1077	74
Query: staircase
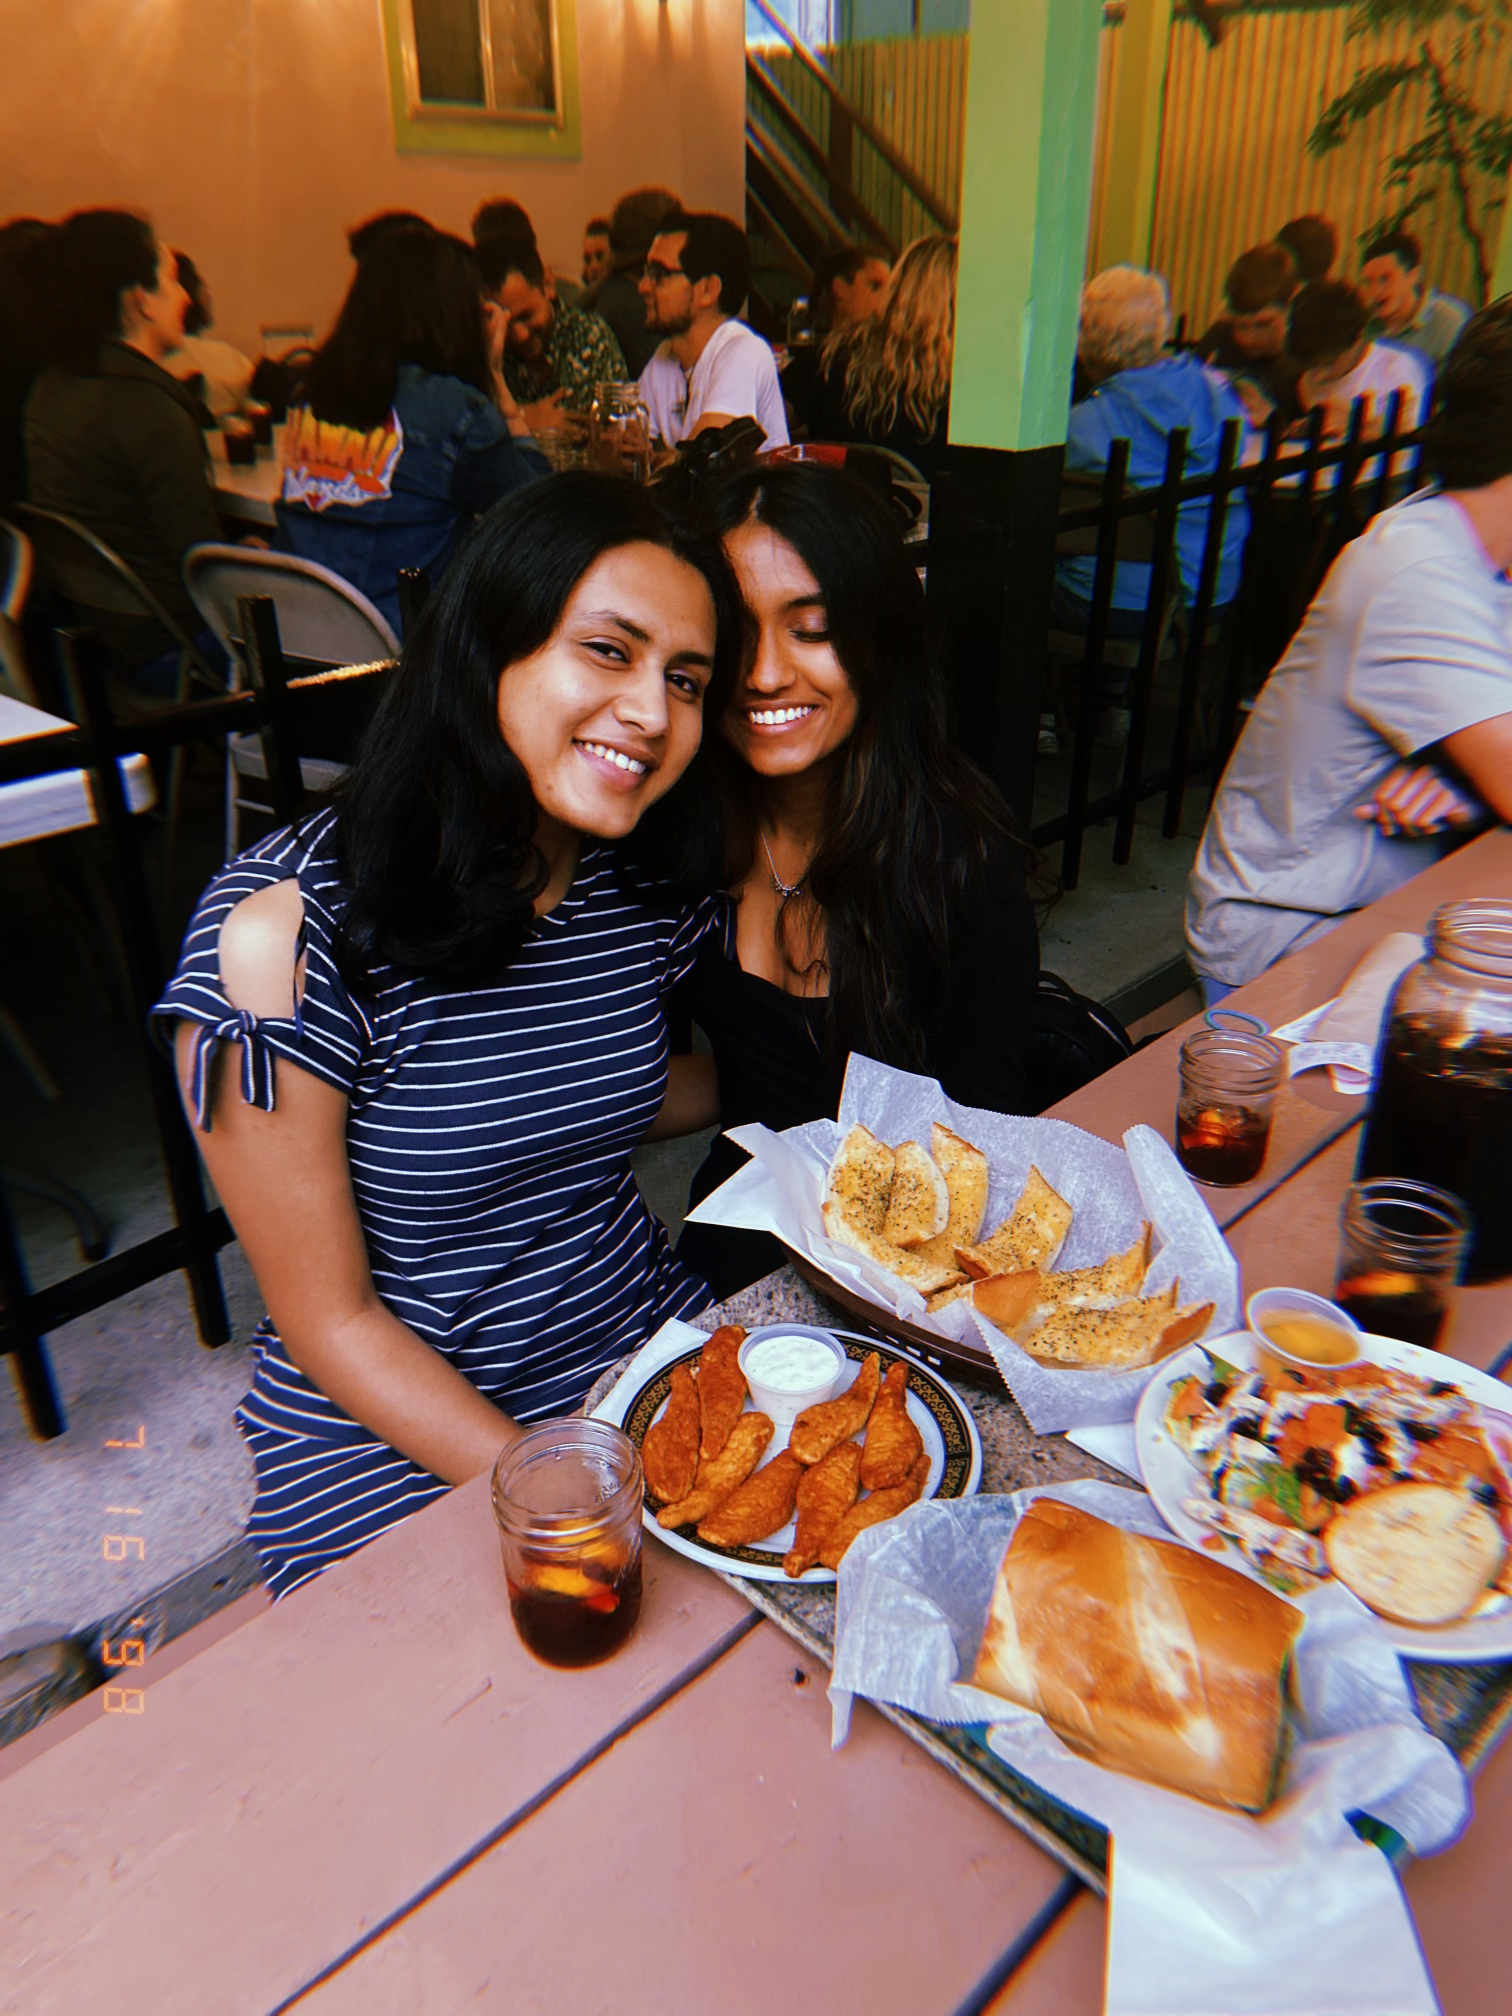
819	171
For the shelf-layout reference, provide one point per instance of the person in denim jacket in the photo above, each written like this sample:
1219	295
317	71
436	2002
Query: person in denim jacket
406	432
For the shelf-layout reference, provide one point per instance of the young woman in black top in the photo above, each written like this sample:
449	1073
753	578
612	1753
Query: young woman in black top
879	892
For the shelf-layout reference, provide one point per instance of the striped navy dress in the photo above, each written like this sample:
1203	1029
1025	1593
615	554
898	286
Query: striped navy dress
489	1133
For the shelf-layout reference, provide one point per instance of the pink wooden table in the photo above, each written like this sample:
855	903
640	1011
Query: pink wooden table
371	1799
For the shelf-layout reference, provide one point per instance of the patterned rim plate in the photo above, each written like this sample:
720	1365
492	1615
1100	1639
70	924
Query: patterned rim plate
1171	1477
943	1419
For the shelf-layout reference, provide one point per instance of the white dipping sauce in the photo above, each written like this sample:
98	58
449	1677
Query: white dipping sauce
790	1364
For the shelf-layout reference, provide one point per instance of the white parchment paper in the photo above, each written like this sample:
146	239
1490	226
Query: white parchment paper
1209	1910
1111	1190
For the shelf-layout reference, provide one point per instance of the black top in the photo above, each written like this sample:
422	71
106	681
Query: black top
770	1050
820	401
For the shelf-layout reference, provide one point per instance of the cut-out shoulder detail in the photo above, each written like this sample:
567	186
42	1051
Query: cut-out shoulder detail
261	967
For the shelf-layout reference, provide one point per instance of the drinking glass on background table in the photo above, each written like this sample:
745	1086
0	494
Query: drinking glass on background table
240	439
1229	1081
619	431
1400	1257
567	1496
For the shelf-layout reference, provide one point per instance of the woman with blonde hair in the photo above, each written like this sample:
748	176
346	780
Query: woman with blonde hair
885	382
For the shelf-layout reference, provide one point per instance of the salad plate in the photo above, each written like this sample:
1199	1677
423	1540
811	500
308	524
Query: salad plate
1187	1499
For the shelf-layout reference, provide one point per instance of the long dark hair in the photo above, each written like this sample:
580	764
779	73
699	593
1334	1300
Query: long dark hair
437	819
83	270
413	300
909	821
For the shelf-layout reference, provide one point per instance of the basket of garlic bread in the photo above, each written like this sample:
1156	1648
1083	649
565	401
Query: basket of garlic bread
1064	1260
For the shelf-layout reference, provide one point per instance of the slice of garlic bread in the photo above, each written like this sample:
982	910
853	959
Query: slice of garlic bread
860	1180
966	1173
918	1205
921	1274
1032	1237
1133	1333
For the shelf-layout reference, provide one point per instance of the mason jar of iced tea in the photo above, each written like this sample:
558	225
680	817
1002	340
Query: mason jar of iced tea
567	1497
1229	1081
1441	1109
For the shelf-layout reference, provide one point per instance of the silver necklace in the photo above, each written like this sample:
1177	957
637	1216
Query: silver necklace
782	888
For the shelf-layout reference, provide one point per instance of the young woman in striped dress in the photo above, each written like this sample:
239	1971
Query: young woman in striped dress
421	1032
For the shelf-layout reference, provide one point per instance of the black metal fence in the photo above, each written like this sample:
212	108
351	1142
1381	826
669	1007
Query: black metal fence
1177	689
277	707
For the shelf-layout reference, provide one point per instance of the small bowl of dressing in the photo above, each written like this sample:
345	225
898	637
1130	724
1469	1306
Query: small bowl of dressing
1299	1330
789	1366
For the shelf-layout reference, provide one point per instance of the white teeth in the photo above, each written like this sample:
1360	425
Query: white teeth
617	757
778	717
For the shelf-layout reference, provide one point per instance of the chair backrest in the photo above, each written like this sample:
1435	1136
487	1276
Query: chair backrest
322	619
1136	533
83	569
16	563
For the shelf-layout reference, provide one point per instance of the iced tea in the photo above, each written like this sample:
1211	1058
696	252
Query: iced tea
1228	1094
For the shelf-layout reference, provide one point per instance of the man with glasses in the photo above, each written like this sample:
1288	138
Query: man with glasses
710	368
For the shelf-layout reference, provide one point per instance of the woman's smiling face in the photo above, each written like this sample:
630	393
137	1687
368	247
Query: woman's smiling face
607	715
793	705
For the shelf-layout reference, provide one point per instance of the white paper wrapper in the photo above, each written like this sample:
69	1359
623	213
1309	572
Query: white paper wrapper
1289	1915
1344	1032
1111	1191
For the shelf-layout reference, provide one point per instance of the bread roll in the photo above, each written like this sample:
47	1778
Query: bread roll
1417	1553
1141	1654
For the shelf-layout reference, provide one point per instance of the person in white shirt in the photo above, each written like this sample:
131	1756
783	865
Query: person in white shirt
1388	723
710	368
1326	334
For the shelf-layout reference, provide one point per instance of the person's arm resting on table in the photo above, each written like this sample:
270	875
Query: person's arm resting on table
286	1185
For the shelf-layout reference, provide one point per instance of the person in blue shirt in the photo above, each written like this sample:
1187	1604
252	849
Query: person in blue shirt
405	432
1142	394
1404	309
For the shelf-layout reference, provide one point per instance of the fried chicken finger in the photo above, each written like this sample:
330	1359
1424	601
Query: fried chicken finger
893	1441
721	1389
669	1449
872	1511
718	1478
758	1507
824	1427
826	1493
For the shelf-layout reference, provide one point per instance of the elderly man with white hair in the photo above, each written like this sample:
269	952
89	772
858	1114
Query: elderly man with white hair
1141	394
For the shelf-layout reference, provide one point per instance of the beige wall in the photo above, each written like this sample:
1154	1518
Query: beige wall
255	131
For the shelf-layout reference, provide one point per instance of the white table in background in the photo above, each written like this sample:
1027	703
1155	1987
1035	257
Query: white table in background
248	492
31	808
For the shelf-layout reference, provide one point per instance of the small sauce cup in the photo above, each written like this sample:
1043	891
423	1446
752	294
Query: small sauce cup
785	1381
1302	1332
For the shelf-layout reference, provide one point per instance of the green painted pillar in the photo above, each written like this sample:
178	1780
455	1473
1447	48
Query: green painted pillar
1026	188
1026	192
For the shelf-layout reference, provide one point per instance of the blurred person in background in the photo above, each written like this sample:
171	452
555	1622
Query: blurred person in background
554	357
1340	363
1313	243
884	381
847	286
1386	728
1142	394
216	372
22	352
502	217
710	368
1248	344
879	898
362	237
111	437
616	297
407	431
596	250
1403	307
